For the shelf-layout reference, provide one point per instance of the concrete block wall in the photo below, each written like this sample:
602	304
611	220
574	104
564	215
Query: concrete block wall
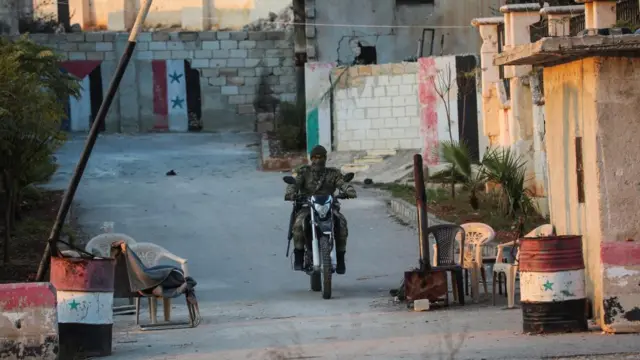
231	67
376	107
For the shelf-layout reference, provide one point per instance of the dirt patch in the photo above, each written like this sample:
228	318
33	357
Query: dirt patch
29	238
459	211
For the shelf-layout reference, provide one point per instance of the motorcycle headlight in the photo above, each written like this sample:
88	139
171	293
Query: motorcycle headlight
322	209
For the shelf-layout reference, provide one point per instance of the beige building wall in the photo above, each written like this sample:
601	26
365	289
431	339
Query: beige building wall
595	99
186	14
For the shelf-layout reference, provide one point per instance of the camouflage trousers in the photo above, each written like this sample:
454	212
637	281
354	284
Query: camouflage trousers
341	230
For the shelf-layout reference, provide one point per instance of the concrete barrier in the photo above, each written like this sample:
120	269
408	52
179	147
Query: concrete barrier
28	321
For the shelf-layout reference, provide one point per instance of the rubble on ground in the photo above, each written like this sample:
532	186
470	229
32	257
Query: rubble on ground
274	22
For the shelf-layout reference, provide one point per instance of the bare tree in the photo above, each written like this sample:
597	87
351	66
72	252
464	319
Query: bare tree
443	83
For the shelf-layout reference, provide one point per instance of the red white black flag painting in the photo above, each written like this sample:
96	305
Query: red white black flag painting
170	95
83	110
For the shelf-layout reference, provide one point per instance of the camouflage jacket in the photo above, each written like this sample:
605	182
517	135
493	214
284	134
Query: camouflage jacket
310	183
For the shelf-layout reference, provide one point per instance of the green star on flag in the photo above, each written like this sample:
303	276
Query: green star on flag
548	285
177	102
175	77
74	305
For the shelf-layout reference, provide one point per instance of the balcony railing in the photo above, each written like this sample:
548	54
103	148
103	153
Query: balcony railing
539	30
628	13
576	25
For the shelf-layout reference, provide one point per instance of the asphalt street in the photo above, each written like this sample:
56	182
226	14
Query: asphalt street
230	221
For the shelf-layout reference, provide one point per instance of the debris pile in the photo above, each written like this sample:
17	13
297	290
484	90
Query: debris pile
274	22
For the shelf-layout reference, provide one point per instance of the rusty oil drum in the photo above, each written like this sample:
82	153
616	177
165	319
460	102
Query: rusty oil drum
552	284
85	305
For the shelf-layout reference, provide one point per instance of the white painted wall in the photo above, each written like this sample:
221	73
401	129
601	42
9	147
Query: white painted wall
382	114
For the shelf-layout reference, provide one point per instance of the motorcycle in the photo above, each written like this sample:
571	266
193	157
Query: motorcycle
319	253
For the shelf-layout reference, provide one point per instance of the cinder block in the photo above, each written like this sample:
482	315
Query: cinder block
238	53
379	91
386	112
29	321
247	44
393	90
237	62
398	112
238	35
87	46
372	113
144	55
221	54
237	99
230	90
181	54
160	36
199	63
421	305
223	35
158	45
217	63
398	101
77	56
228	44
175	45
411	110
95	55
406	90
251	63
203	54
395	80
409	79
217	81
162	55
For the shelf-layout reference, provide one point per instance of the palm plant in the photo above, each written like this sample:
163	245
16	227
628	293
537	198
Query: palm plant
461	169
502	166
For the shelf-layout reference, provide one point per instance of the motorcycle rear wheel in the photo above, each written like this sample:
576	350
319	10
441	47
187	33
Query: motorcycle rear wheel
327	266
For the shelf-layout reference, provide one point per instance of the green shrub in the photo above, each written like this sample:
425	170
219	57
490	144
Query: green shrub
291	127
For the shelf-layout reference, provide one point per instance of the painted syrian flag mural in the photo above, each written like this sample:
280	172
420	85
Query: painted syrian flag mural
82	111
170	95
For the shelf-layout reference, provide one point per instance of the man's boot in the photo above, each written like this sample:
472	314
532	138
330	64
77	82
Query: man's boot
298	259
341	267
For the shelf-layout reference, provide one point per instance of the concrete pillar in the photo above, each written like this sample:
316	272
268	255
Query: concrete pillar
80	13
599	14
518	19
559	18
488	28
195	15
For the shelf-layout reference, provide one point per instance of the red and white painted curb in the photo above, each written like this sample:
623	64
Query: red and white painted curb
28	321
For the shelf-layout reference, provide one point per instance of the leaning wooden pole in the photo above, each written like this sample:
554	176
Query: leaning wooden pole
421	204
52	248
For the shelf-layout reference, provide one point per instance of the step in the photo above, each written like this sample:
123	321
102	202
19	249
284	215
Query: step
354	168
388	152
369	160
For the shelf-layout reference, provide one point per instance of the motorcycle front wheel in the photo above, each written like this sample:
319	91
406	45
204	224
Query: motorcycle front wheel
327	266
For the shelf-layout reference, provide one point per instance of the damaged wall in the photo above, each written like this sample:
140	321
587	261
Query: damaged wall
338	43
409	105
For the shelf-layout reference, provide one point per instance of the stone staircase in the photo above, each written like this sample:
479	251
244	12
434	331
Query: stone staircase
363	163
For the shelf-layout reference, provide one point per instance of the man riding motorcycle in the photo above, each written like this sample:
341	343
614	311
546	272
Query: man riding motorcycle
318	179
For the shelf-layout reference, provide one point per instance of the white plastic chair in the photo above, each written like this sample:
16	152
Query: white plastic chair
151	255
101	244
508	266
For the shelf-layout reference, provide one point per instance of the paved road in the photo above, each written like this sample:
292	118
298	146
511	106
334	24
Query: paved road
230	221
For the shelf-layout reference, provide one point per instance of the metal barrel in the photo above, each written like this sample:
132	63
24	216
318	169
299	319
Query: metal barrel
85	305
552	284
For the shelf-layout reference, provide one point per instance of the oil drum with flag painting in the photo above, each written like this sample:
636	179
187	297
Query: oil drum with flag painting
552	284
84	109
85	305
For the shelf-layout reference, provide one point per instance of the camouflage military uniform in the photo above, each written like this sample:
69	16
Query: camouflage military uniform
310	182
